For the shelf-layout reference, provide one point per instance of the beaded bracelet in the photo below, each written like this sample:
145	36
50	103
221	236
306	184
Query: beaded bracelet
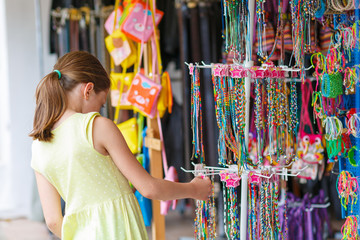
333	148
349	82
356	72
333	128
353	125
355	32
347	186
348	40
340	6
335	60
350	228
317	105
320	65
351	155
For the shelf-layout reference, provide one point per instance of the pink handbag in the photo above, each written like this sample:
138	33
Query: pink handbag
170	174
138	24
110	21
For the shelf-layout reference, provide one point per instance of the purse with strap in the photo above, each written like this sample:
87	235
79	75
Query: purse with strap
137	24
143	93
310	150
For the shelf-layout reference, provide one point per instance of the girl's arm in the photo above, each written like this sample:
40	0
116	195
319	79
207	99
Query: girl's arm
108	139
51	204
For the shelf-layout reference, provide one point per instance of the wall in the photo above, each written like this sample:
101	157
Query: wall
5	198
19	75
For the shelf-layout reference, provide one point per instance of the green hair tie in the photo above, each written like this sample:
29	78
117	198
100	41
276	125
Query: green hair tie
59	73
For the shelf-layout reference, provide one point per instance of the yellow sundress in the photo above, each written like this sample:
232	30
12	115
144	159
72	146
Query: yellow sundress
99	201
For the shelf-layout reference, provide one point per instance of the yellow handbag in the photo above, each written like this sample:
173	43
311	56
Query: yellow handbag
121	49
120	83
165	100
129	130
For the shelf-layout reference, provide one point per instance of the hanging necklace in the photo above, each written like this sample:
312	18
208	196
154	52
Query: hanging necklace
220	119
196	115
259	123
205	218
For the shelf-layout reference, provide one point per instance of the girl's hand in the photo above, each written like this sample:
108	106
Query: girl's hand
202	187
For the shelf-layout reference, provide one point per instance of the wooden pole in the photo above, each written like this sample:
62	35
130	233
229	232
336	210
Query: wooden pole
153	142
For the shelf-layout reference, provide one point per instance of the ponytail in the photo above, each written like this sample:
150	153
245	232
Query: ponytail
51	94
50	106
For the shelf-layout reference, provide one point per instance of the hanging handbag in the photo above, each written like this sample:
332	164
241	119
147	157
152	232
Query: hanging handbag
110	23
121	50
129	130
310	150
332	85
144	203
137	24
165	101
143	94
120	82
325	38
170	174
286	35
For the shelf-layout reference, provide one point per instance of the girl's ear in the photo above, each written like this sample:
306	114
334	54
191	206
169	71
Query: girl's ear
88	87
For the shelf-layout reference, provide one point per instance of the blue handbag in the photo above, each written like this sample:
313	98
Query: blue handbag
145	203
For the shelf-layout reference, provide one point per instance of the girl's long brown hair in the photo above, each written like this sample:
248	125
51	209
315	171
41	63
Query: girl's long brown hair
75	67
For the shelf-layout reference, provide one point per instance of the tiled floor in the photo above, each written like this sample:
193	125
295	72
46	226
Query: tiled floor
178	227
23	229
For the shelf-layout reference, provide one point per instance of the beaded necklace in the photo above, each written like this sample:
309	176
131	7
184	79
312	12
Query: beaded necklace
267	211
268	223
272	121
279	32
259	123
298	32
302	14
239	103
282	117
235	22
230	140
252	210
231	213
293	108
285	234
262	219
196	115
260	18
229	96
205	218
220	121
276	190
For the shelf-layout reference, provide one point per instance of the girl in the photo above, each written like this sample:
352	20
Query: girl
83	158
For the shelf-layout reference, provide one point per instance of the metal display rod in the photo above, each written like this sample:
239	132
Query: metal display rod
249	63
